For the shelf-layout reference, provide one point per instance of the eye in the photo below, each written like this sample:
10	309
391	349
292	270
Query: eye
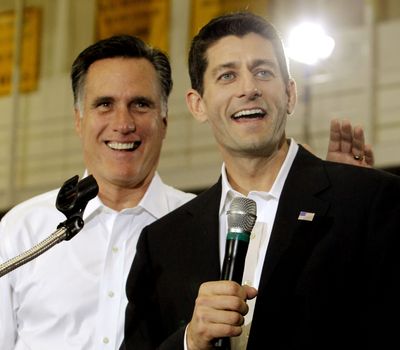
102	102
141	105
264	74
103	106
227	76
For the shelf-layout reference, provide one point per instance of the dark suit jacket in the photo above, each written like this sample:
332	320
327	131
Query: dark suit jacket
331	283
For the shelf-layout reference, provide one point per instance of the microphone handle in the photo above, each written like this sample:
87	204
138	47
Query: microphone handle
235	256
236	247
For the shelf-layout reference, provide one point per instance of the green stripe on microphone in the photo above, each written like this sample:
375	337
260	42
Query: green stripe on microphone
238	236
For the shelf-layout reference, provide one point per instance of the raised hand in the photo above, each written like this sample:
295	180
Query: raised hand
347	145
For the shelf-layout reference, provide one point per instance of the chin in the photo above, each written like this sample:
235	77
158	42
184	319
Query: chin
125	176
121	175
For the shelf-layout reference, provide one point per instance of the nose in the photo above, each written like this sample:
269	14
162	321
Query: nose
124	121
248	87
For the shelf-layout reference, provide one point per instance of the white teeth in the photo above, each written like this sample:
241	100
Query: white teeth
248	112
123	146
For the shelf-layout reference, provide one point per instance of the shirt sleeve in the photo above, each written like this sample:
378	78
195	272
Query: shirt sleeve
8	327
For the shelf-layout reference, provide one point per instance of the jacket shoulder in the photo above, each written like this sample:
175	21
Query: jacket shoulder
205	201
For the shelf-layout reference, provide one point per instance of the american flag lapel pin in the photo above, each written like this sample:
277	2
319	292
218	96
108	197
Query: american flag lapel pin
306	216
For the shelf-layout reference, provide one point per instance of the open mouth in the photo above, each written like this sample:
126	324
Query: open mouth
123	146
254	113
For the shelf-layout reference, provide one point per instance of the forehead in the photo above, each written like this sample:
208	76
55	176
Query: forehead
121	71
248	48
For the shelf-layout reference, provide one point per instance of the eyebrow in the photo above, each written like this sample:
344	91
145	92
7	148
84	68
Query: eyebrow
253	64
136	99
264	61
143	99
223	66
101	99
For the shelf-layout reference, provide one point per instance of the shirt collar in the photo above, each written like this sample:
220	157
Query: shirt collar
228	193
154	201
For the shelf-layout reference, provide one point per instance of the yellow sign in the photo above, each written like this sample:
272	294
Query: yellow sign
29	52
147	19
204	10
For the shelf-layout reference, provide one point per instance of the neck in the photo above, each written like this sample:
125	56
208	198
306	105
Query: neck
119	198
255	173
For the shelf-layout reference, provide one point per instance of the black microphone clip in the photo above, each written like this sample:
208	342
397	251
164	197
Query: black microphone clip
72	200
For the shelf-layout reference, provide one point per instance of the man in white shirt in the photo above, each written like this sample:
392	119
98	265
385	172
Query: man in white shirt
73	296
326	271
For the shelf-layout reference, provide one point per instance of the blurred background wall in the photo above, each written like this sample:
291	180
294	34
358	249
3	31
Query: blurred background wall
39	39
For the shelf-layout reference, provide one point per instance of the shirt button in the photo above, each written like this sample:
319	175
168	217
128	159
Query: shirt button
110	293
115	249
106	340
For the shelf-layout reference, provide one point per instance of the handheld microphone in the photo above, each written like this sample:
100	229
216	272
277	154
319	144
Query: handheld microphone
241	216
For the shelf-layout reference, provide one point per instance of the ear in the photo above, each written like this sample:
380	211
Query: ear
165	124
291	92
196	105
78	121
165	120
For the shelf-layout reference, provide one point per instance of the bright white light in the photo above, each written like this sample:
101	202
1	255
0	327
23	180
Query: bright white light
308	43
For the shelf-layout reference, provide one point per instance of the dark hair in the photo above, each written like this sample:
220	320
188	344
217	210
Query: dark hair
120	46
237	24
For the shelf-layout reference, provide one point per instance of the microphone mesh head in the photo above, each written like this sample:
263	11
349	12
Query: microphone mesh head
242	214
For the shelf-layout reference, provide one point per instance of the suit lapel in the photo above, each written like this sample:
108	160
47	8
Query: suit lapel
291	244
305	181
203	240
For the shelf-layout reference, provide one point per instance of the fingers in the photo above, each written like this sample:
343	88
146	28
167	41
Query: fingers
340	136
344	139
251	292
369	156
347	137
362	150
334	136
225	296
219	312
347	145
358	144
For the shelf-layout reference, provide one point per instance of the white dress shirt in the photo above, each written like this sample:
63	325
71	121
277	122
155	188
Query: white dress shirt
73	295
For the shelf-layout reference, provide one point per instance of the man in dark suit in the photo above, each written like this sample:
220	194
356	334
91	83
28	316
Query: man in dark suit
325	271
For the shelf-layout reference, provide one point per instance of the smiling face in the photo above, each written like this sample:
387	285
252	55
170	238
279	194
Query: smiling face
245	99
120	122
